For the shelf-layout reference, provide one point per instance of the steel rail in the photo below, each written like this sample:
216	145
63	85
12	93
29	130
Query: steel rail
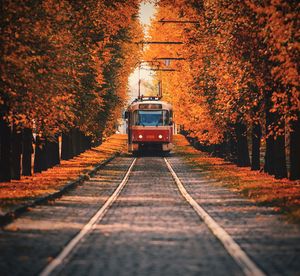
63	255
236	252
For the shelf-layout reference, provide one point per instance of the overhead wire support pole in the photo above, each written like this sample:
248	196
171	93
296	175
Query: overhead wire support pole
170	58
139	83
178	21
170	70
159	42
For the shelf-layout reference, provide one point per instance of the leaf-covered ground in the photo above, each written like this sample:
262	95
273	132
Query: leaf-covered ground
22	191
283	195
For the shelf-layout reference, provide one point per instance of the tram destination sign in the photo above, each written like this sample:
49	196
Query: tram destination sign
150	106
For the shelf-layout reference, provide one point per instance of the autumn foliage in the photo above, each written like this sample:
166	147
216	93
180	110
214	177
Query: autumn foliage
64	70
61	60
236	78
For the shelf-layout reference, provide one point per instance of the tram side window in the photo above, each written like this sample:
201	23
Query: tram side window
151	118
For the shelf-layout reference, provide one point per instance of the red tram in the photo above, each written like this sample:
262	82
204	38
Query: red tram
150	125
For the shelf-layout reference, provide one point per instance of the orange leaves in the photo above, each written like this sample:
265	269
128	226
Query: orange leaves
185	88
55	55
114	56
279	31
237	52
53	179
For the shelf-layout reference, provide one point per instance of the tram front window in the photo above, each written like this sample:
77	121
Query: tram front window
151	118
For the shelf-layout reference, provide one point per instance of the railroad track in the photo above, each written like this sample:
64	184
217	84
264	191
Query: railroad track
240	257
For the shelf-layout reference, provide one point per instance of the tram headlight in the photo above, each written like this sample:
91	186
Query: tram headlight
140	136
160	136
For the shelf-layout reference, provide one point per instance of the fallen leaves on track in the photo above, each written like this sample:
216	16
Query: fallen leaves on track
283	195
41	184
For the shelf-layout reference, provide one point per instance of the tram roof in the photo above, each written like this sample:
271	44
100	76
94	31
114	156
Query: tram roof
136	104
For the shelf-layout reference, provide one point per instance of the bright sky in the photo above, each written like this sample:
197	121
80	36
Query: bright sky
147	11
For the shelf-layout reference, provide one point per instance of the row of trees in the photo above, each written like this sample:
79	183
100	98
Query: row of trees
64	70
241	77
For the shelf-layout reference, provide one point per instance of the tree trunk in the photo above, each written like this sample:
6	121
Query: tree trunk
78	141
74	142
52	151
27	151
269	166
223	147
44	161
280	170
16	152
269	161
215	150
82	142
38	155
66	147
230	147
243	159
233	149
48	153
295	150
269	154
87	142
98	141
226	146
5	150
56	158
256	137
